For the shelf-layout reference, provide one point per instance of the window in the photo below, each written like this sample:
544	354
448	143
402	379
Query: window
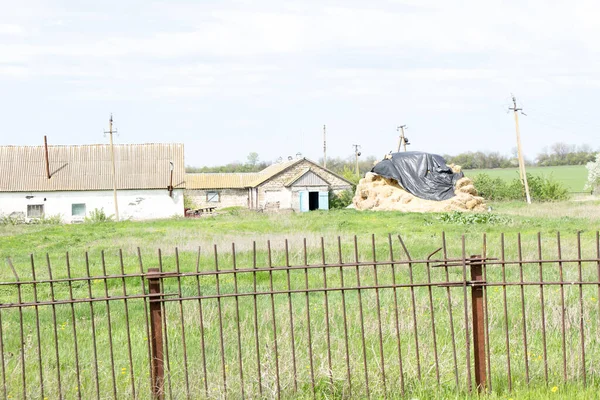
78	209
212	197
35	211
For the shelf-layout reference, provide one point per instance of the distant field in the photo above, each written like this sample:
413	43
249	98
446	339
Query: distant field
572	176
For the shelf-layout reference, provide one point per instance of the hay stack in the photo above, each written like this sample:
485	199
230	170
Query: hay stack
377	193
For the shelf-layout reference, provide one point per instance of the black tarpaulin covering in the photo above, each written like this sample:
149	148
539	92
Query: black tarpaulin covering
422	174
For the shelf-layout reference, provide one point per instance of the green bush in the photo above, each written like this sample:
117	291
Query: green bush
98	216
341	200
540	188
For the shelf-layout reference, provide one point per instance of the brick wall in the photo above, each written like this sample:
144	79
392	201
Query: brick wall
227	198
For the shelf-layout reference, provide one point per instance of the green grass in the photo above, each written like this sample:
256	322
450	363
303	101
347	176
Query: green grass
573	177
422	234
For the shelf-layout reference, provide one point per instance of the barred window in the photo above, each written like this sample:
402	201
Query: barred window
78	209
35	210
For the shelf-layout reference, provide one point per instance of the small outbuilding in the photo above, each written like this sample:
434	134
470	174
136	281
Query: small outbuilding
299	184
72	181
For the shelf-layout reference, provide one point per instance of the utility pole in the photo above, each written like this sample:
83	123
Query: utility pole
522	172
402	141
357	154
112	157
324	147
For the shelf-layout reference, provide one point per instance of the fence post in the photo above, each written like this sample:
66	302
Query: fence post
158	372
478	322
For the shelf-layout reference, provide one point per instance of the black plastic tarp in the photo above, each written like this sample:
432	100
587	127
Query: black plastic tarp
422	174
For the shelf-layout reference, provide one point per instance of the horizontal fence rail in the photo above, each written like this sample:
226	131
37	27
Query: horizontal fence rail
351	318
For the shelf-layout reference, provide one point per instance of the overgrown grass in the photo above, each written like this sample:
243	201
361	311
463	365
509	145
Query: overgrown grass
422	234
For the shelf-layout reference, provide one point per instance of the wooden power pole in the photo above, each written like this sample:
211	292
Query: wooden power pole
522	172
356	155
402	140
112	157
324	147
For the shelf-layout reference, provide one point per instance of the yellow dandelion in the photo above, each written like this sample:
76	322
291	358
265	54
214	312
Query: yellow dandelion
146	339
539	357
554	389
593	299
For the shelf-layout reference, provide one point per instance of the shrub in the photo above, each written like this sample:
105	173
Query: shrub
540	188
16	219
457	217
340	200
188	202
98	216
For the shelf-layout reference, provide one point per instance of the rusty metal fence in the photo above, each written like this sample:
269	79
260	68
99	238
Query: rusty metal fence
348	318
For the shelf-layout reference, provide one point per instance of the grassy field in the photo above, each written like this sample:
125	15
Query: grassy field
573	177
422	234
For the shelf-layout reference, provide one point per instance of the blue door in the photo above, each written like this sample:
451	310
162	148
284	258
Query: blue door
323	200
303	201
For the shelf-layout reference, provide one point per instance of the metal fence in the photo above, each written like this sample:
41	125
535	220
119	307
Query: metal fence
347	318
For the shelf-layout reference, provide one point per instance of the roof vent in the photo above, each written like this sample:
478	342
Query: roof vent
290	158
298	155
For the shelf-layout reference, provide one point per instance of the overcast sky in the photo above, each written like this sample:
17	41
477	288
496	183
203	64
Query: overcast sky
230	77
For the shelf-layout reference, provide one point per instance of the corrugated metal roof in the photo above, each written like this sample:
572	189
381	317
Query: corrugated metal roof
89	167
220	180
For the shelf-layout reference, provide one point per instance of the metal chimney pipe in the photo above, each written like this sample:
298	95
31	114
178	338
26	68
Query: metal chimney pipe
46	154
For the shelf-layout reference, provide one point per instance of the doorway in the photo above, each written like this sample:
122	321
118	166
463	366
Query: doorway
313	201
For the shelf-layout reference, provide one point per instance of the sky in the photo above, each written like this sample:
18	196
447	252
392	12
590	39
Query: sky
227	78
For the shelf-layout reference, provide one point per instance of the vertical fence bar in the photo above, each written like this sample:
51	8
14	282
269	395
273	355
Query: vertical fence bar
165	327
2	356
291	310
362	321
183	341
378	303
54	326
220	312
477	283
542	305
413	305
93	324
22	339
156	339
487	317
274	320
450	318
432	313
340	260
581	322
201	317
396	316
256	339
503	263
126	308
562	306
308	330
73	321
466	308
148	328
237	319
37	324
326	305
525	349
109	325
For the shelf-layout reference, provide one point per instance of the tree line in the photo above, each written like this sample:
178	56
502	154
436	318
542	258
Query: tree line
553	155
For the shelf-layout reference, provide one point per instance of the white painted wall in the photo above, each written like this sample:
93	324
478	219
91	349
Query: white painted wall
133	204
